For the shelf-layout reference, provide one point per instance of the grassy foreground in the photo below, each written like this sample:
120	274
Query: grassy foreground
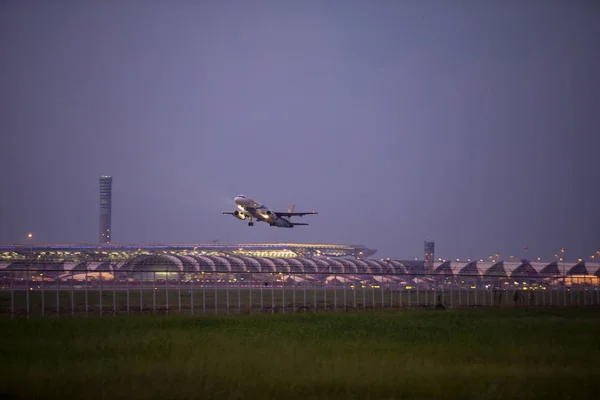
478	354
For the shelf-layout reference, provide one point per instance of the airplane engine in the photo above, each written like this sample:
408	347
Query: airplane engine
239	215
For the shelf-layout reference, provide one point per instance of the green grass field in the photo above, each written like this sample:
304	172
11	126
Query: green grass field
458	354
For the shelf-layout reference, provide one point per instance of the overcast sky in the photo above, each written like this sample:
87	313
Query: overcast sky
475	123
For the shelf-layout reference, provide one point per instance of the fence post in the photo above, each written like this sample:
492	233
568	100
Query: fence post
418	294
273	291
334	291
27	292
203	291
345	290
434	302
314	285
86	292
72	294
101	275
57	295
215	282
153	292
192	277
304	285
250	288
114	282
294	294
179	292
571	293
167	291
239	286
544	289
43	292
228	277
564	292
393	285
141	274
127	292
443	294
325	293
372	292
262	305
283	295
12	295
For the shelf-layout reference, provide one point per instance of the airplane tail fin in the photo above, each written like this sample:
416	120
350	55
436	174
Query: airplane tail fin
291	209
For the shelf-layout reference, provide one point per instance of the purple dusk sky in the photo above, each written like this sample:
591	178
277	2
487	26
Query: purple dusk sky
475	123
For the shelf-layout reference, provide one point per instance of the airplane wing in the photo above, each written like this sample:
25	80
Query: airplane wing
294	214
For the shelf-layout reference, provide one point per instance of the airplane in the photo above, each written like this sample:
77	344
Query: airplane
248	208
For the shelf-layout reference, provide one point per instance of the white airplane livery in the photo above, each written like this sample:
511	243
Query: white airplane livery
250	209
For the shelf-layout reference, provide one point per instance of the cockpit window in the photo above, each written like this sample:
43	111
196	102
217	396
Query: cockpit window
241	195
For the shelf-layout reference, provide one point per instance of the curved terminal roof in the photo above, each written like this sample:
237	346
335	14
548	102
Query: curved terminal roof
249	249
317	265
521	269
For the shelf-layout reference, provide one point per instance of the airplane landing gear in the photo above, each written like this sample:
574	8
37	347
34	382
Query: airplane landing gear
250	223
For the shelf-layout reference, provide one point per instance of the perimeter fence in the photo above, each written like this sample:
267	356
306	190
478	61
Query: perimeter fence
46	292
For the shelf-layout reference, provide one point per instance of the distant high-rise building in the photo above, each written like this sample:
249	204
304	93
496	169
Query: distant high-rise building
105	208
429	252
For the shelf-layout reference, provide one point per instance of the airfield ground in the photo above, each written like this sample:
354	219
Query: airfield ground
468	354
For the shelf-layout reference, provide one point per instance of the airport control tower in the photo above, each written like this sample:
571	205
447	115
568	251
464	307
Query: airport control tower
105	208
429	252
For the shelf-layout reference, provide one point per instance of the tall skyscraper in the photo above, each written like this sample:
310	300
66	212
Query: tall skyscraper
429	254
105	208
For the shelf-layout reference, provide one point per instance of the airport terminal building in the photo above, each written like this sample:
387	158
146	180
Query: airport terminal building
310	260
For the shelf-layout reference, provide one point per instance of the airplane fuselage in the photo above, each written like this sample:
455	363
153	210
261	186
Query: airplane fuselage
260	212
250	209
